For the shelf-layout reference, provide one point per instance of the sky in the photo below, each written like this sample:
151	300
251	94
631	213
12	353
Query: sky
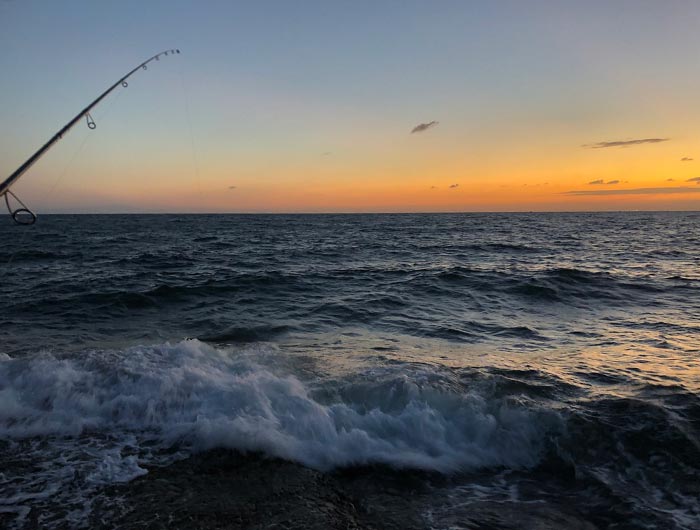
354	106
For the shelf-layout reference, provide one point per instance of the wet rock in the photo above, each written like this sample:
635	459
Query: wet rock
224	489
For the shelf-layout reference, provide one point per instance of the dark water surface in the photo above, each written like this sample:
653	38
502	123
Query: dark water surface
546	364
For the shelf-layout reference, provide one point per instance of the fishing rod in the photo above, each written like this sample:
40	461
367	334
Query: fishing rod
23	215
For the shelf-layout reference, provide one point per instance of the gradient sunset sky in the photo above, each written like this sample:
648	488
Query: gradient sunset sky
310	106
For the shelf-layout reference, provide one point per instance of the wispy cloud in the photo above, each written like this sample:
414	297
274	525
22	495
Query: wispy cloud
625	143
686	159
424	126
452	186
601	182
670	180
635	191
232	187
694	179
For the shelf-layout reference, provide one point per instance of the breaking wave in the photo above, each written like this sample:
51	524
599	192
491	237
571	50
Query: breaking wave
69	426
195	396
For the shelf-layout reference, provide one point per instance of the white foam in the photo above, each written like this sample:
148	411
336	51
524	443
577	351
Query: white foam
192	394
113	467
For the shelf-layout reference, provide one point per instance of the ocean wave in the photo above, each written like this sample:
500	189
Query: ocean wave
76	299
259	333
494	247
31	255
576	286
202	397
471	331
537	292
163	260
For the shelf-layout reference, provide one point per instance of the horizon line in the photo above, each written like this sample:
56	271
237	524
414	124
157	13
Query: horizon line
378	213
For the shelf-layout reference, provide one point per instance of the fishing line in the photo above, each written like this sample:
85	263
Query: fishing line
86	137
88	134
19	215
85	113
195	161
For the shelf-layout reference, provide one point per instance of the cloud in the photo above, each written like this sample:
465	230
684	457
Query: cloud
452	186
232	187
635	191
326	153
686	159
433	187
694	179
625	143
424	126
670	180
601	182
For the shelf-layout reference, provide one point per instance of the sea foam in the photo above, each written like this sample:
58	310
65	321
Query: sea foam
193	396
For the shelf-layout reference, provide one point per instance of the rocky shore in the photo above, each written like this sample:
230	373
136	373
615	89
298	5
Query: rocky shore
225	489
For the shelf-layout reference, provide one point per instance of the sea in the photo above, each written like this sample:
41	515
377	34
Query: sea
467	370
